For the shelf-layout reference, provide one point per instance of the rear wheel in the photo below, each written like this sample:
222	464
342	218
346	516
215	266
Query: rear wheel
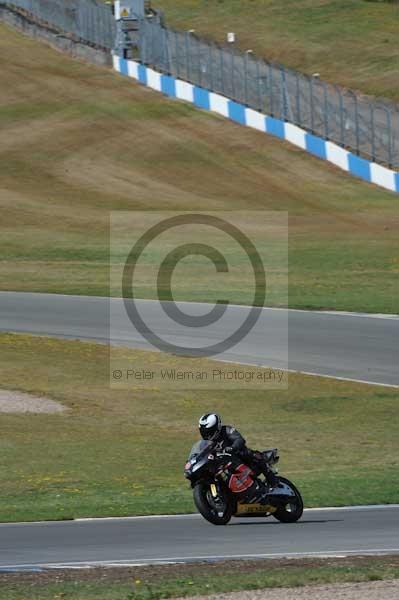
292	511
215	508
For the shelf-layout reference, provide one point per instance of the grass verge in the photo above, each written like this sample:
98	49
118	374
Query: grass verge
78	142
155	583
122	451
324	36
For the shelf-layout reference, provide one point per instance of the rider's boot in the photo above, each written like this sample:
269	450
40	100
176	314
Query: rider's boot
271	478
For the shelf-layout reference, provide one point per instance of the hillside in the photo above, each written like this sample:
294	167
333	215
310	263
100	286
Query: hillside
350	42
78	142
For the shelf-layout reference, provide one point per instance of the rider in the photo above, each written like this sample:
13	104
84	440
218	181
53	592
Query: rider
231	441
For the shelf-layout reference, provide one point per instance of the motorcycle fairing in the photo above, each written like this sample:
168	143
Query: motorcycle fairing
241	479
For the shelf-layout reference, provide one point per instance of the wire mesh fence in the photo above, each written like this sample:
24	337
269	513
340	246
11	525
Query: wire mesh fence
365	125
86	20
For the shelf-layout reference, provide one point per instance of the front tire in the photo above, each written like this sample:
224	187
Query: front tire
217	513
293	510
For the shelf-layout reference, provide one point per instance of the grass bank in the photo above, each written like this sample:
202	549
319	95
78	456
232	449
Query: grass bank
153	583
338	440
350	42
79	142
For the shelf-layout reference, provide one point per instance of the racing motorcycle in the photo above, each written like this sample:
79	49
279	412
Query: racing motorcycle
224	487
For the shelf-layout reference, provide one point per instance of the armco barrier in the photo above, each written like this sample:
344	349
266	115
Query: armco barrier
176	88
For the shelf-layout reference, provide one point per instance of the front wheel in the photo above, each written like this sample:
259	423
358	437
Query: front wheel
292	511
217	509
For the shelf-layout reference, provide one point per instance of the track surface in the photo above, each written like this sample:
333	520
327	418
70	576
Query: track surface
351	346
189	537
359	347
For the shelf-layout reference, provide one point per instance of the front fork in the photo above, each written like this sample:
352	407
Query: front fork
214	491
218	496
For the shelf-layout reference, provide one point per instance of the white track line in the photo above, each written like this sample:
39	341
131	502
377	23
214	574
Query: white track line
309	373
349	379
360	507
206	558
337	313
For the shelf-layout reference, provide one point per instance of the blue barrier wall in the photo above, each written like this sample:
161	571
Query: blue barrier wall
176	88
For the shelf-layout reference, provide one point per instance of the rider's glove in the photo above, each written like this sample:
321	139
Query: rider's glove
228	450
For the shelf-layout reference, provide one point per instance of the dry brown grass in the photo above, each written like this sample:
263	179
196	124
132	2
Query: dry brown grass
351	42
78	142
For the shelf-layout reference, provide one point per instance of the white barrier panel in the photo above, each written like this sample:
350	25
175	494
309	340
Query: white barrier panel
219	104
255	119
295	135
337	155
184	91
205	99
383	176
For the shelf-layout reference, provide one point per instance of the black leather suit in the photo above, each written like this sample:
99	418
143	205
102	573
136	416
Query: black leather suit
229	437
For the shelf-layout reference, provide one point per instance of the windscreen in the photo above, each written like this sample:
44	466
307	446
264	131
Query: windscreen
198	447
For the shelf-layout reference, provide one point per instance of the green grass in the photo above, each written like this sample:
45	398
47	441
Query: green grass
157	583
350	42
79	142
338	440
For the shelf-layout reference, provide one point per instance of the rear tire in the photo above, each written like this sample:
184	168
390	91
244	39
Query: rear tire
293	510
216	515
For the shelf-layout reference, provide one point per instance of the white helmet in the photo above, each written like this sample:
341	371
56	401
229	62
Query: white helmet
210	426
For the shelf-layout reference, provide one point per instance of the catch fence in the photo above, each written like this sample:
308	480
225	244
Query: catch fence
86	20
368	126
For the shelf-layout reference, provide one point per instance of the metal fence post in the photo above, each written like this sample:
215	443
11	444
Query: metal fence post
221	51
246	79
151	54
177	53
371	105
325	110
97	27
341	115
298	100
271	90
141	41
210	68
283	97
199	62
258	87
357	124
356	115
187	45
311	105
390	136
232	74
166	57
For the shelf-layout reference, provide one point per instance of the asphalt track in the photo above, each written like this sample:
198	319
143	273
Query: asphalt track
152	540
351	346
342	345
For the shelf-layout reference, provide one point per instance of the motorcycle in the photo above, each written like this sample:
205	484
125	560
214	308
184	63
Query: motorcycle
224	487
